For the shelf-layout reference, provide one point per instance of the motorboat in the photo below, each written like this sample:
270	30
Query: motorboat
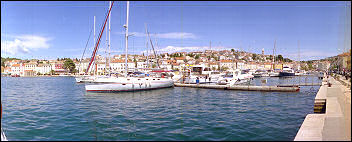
234	78
85	78
260	73
272	73
300	73
287	71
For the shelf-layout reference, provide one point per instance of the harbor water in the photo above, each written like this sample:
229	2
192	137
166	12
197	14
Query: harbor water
57	108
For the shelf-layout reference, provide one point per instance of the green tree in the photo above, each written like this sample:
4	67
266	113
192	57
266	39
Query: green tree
232	50
52	72
68	64
254	56
197	56
280	58
310	66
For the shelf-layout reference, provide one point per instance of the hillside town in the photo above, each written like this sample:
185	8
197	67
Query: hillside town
225	60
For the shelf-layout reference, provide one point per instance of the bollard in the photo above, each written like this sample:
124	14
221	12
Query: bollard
329	84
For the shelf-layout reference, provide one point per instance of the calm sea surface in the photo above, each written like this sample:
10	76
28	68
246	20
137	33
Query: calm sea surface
56	108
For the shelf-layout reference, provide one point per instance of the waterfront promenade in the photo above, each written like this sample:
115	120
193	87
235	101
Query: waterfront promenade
333	120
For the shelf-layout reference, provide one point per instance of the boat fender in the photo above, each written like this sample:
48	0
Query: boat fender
140	85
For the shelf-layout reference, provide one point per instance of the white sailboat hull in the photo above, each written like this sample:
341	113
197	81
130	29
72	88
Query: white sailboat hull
129	84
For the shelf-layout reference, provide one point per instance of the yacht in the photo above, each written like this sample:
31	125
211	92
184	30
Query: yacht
272	73
287	71
234	78
260	73
300	73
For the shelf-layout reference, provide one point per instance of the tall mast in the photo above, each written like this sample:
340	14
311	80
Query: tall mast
274	54
126	36
299	58
94	45
153	48
109	39
107	46
146	39
98	41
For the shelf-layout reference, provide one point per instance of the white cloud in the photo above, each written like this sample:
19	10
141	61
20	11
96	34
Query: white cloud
172	35
24	44
172	49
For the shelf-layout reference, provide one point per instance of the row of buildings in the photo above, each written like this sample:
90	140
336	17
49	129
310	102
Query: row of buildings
216	60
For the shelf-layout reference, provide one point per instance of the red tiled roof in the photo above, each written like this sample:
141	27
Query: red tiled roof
16	65
225	61
180	58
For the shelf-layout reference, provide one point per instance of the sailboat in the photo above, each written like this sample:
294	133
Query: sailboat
128	82
86	78
273	73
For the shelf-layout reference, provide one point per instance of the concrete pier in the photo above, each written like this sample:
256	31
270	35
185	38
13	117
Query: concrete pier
331	120
243	88
301	84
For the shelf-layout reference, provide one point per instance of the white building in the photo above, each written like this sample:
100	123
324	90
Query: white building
43	68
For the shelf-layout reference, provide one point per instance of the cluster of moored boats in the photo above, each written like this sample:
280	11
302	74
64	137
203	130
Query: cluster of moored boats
156	79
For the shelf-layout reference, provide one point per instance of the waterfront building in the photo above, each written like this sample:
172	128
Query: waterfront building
7	70
29	68
142	65
227	64
101	68
118	65
43	68
180	59
240	65
344	60
268	66
323	66
16	69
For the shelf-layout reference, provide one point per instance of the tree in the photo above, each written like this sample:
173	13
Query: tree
197	56
232	50
280	58
52	72
68	64
254	56
213	68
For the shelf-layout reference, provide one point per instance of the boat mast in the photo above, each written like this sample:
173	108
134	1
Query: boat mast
107	46
299	58
153	48
274	55
126	37
98	41
94	45
146	39
109	39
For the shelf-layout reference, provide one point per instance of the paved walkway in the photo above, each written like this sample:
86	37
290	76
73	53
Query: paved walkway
335	123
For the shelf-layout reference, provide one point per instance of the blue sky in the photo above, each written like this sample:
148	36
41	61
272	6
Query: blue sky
50	30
